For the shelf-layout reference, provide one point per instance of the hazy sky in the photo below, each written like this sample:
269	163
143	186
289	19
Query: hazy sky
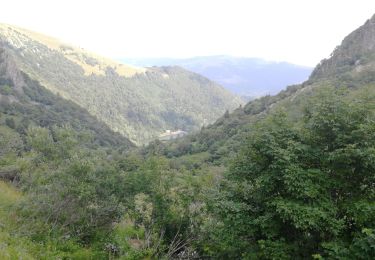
298	31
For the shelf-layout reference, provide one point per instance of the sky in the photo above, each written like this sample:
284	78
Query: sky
297	31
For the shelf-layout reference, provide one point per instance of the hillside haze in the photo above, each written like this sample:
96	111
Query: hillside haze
136	102
249	77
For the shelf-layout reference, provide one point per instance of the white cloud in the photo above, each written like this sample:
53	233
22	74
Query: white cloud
302	32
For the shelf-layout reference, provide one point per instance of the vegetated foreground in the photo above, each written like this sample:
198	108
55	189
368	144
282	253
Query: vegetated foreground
290	176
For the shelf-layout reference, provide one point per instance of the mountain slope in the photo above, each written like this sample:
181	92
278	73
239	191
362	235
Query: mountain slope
354	58
40	133
138	103
250	77
351	68
24	102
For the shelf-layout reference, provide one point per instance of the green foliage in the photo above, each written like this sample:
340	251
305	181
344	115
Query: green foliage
78	199
10	123
296	190
222	139
15	244
289	176
37	106
80	196
5	90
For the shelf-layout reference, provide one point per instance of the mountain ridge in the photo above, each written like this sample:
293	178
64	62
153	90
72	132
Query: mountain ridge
251	77
136	102
351	66
356	52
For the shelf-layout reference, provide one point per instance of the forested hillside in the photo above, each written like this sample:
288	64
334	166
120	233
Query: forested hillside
290	176
138	103
24	102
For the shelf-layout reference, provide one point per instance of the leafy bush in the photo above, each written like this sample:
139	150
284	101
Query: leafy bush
297	190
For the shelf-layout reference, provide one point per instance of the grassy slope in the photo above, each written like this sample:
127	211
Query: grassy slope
72	53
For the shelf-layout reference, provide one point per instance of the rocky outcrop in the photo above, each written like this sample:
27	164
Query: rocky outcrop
356	50
11	75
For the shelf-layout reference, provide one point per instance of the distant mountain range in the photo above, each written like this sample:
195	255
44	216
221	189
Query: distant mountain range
252	77
139	103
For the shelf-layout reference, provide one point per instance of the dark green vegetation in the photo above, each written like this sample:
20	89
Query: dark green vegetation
302	189
138	103
290	176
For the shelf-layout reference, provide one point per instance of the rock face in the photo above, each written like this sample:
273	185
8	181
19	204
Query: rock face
9	71
136	102
357	50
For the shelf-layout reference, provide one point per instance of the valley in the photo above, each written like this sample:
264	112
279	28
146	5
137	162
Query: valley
83	174
135	102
